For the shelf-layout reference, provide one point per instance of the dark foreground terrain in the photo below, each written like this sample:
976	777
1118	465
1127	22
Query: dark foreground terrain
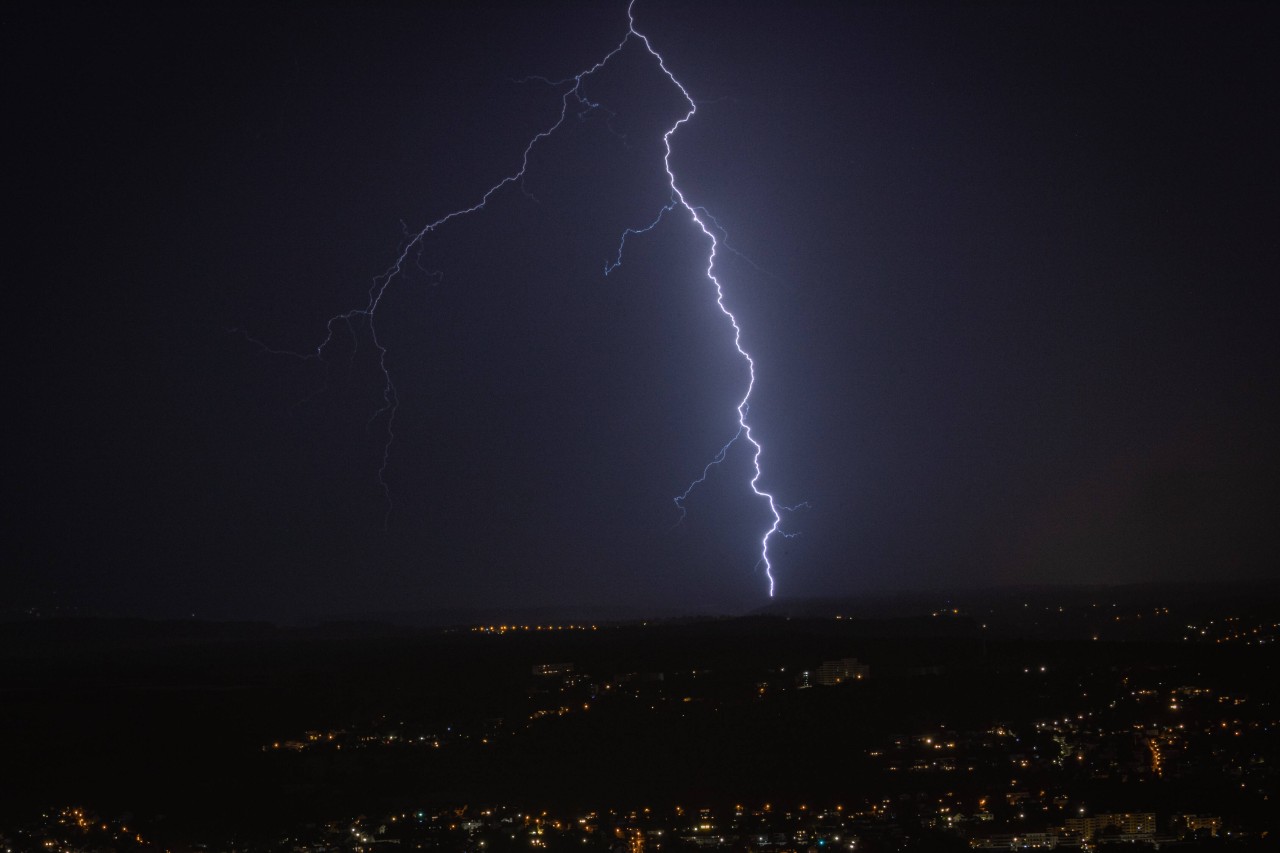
994	719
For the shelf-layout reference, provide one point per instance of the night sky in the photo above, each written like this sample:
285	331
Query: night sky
1006	269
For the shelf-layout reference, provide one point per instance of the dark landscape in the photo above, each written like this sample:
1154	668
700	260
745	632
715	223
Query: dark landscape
964	720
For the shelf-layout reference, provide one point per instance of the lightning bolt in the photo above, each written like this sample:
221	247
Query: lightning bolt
700	219
574	102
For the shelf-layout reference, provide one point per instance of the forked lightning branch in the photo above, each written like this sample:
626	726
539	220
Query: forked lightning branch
574	101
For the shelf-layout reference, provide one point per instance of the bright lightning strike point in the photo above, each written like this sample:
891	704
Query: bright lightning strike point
573	94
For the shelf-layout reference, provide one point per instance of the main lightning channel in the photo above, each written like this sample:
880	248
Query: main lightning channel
574	95
744	405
